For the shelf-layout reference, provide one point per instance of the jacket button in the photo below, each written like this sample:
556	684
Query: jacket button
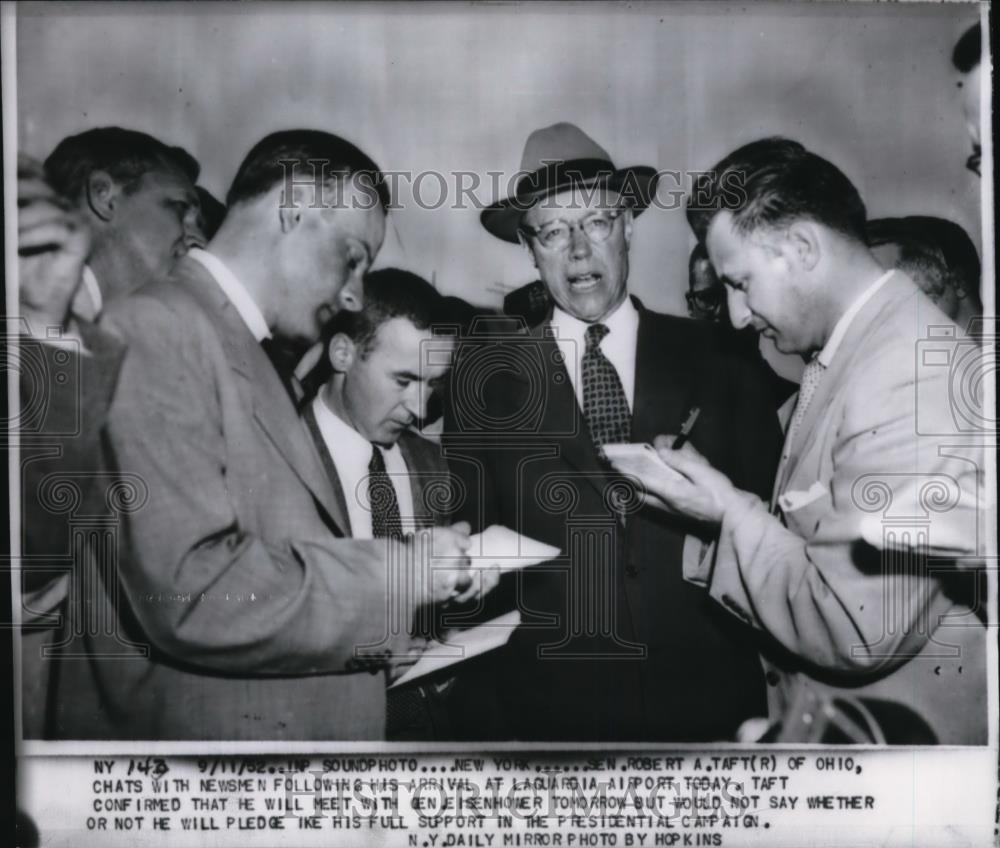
631	571
772	678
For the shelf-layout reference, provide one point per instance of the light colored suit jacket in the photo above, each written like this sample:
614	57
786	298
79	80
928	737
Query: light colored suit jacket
877	466
257	621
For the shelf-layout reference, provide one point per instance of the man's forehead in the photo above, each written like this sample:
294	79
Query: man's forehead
721	237
577	201
357	215
166	179
401	335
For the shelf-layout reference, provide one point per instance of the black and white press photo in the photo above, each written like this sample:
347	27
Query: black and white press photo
596	399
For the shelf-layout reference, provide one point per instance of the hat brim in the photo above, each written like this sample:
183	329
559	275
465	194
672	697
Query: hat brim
638	184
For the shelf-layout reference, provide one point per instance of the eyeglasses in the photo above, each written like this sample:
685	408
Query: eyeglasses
707	300
555	235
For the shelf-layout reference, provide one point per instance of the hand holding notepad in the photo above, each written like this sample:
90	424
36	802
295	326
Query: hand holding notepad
503	548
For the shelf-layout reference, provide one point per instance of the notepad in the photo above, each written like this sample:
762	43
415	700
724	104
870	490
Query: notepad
462	645
504	548
640	460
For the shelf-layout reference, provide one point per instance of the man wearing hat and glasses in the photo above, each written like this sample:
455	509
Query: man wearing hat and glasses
613	645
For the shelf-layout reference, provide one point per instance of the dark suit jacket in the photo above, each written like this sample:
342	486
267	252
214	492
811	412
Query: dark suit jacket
237	609
613	644
65	394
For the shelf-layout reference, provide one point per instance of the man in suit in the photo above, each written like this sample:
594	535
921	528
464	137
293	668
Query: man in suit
854	573
138	197
382	364
613	644
67	372
938	255
381	368
251	613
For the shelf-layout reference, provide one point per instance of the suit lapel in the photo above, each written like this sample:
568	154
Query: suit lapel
422	474
663	393
562	413
272	408
893	291
343	520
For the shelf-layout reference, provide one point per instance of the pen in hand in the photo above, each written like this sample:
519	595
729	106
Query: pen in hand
686	428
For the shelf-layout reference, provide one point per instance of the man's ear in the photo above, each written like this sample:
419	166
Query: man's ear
102	194
802	243
342	353
627	217
290	209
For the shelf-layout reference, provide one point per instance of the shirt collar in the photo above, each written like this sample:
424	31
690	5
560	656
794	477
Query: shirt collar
826	355
93	289
237	293
345	437
623	321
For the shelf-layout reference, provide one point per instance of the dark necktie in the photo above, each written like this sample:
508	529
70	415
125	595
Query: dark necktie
604	404
284	359
382	499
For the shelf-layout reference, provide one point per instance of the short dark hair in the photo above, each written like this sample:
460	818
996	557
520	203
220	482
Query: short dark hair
939	249
124	154
270	159
389	293
969	49
772	182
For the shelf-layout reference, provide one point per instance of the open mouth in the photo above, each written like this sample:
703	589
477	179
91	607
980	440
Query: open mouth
584	282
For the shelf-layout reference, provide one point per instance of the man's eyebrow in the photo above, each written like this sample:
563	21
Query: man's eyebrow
406	375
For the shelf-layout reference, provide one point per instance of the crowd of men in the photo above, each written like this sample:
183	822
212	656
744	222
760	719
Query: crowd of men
235	528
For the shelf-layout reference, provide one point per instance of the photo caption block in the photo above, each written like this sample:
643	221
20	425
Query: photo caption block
533	800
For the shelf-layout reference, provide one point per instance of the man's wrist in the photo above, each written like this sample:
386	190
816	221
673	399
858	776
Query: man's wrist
735	502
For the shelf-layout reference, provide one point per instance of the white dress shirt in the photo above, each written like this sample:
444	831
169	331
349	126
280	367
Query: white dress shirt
237	293
618	346
351	452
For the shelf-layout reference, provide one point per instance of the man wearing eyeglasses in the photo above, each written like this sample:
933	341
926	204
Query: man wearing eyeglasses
612	644
706	296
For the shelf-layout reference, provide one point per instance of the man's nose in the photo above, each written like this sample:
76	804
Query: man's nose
579	244
351	297
194	237
415	400
739	313
194	234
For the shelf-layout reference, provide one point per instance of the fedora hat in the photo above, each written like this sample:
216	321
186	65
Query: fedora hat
560	157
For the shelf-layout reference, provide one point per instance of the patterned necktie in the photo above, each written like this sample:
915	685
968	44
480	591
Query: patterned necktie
382	499
811	377
604	404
